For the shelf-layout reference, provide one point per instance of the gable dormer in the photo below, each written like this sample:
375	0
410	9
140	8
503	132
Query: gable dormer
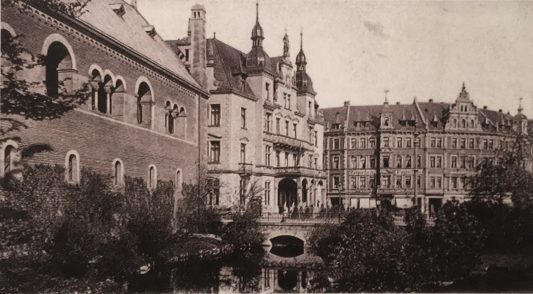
463	114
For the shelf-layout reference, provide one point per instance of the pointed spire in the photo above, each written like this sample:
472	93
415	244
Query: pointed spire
464	93
257	11
301	61
301	38
520	108
286	51
386	98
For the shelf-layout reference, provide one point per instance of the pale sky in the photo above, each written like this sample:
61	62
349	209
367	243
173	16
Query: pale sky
356	50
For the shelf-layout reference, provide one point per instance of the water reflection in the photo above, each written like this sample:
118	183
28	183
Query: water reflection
265	271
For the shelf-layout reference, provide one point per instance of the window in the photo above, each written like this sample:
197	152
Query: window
267	90
277	125
454	143
439	142
385	182
214	151
336	162
454	182
471	144
439	162
215	115
362	182
267	193
432	182
152	177
398	182
386	142
408	182
362	143
418	182
408	161
243	118
372	162
463	162
118	173
289	101
213	190
72	168
179	179
362	162
454	162
432	161
386	161
277	159
399	142
491	144
286	159
354	143
485	144
336	144
408	143
9	159
336	182
57	61
294	128
268	150
268	122
310	161
371	143
316	138
287	128
399	161
144	104
463	143
353	161
439	182
243	153
433	142
418	161
471	162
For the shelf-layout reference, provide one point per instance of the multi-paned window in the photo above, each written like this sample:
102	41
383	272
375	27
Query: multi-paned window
243	118
214	120
214	151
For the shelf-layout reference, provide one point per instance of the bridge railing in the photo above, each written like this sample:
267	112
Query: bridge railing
308	217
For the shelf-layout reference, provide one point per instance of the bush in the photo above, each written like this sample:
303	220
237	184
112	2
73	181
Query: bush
243	232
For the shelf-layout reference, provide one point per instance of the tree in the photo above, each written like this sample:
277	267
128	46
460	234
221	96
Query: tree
496	181
22	98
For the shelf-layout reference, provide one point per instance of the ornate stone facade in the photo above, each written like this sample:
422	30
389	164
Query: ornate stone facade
264	127
427	149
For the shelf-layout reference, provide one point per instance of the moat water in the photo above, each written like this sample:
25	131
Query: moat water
280	269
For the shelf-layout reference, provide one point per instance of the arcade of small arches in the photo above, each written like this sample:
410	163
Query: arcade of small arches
107	90
293	194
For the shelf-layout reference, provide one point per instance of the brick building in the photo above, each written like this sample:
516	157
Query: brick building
146	113
427	149
264	126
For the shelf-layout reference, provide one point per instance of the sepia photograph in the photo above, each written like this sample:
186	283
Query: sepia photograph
266	146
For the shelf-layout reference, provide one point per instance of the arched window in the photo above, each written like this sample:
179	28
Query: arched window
179	179
72	167
144	104
167	114
118	172
9	159
152	177
57	61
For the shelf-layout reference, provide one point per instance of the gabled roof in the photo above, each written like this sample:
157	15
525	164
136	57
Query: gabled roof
229	68
129	30
434	114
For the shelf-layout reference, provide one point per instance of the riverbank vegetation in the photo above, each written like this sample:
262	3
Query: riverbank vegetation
96	235
367	252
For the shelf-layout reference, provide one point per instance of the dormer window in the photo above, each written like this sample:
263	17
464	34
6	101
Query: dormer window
335	126
150	30
118	8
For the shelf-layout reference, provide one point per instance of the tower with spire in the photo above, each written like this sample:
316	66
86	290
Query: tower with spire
304	84
257	59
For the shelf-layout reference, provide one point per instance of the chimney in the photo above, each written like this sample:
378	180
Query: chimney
500	110
485	107
346	103
430	100
398	103
198	44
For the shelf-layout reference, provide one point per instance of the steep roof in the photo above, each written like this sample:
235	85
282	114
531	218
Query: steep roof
229	68
130	29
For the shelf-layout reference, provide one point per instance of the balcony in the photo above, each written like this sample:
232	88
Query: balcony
285	142
298	171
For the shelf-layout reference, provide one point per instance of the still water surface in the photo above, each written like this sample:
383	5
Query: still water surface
278	269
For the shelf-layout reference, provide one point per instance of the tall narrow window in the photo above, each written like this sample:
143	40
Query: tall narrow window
214	151
287	128
385	161
57	61
9	152
215	115
243	153
267	90
268	122
118	176
278	125
243	118
152	177
267	193
294	128
72	167
268	150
